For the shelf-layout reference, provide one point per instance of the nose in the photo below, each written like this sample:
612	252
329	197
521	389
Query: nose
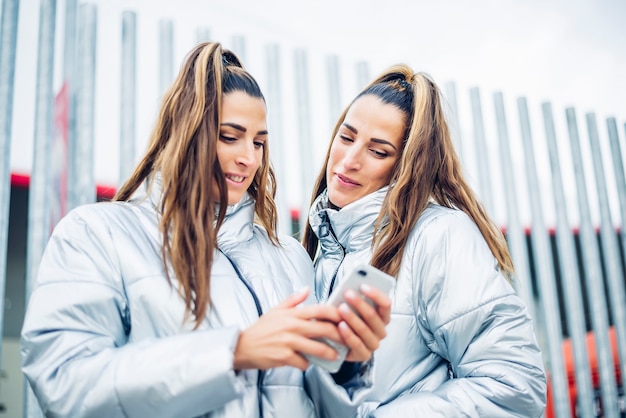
246	153
352	158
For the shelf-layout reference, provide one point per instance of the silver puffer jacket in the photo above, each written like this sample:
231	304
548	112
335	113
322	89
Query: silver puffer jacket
460	342
104	333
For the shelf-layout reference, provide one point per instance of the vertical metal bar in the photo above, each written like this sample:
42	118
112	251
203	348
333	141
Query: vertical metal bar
362	75
38	202
610	245
277	143
303	109
545	272
450	94
481	151
334	88
203	35
570	275
514	232
8	40
40	183
593	276
239	47
85	103
128	95
166	55
620	179
70	81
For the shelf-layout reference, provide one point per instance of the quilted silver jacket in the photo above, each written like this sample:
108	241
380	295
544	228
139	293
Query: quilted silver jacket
460	342
104	334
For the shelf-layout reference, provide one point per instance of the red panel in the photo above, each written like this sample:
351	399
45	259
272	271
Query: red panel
20	180
23	180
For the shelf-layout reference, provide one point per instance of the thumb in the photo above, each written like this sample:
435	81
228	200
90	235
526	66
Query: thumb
295	299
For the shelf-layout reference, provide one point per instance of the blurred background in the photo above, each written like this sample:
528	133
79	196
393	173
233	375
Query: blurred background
535	94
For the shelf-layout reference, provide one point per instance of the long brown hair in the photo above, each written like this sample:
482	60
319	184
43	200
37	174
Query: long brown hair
182	149
428	168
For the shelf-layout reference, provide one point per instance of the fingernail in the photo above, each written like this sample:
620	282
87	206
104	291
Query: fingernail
350	294
343	325
344	308
366	287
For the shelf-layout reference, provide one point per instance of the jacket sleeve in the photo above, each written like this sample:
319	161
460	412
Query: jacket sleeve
470	316
332	400
75	349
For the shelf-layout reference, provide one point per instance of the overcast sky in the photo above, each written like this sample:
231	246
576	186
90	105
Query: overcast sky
568	52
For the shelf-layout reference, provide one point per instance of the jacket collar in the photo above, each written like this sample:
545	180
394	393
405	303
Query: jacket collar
352	225
237	225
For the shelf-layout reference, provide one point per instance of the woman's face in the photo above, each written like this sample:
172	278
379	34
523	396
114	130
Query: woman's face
364	151
243	133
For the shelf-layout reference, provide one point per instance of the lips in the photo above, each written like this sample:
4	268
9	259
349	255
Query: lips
235	178
346	180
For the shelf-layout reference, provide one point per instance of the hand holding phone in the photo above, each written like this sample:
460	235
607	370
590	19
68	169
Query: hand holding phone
362	274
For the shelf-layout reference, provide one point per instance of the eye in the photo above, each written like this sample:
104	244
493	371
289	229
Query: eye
228	139
259	144
379	153
345	138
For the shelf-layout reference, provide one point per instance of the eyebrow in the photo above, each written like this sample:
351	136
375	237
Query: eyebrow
376	140
242	128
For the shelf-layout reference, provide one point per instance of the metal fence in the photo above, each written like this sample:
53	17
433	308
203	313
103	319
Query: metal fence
570	271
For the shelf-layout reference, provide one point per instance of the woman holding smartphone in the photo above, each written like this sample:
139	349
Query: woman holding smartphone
460	342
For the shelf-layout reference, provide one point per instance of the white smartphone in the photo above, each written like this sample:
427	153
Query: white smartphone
362	274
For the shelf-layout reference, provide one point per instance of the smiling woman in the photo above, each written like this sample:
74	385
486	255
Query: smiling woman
461	342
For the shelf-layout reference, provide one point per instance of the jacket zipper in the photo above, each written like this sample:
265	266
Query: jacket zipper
328	230
259	310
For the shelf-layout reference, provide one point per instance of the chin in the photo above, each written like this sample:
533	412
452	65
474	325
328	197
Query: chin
233	199
336	202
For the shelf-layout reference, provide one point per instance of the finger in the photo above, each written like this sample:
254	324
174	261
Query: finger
360	328
380	299
316	348
358	350
318	329
319	312
368	314
295	299
284	356
297	361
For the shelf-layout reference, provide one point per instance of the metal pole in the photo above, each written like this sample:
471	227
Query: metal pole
303	109
514	232
593	277
277	143
39	215
570	275
481	151
38	202
450	94
334	89
128	93
620	179
10	12
85	183
610	245
166	55
362	75
69	78
545	271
